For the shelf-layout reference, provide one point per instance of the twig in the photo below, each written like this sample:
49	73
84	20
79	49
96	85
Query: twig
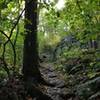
16	24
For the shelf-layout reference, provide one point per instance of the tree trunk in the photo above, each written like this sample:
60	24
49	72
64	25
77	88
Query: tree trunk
30	56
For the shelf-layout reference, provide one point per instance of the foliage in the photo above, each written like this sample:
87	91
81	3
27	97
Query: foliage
70	36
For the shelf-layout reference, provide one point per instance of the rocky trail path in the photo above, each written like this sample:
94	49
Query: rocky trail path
59	91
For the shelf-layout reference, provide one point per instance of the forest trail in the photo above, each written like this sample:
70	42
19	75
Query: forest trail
60	91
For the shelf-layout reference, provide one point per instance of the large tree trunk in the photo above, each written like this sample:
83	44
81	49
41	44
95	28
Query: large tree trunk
30	69
30	56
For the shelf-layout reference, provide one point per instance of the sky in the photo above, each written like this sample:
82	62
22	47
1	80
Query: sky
60	4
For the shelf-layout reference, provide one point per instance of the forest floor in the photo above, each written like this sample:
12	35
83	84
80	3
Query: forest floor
13	88
75	87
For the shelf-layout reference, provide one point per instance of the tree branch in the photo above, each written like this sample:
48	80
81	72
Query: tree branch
4	47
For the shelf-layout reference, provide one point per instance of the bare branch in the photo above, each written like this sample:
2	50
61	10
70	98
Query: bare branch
16	24
4	47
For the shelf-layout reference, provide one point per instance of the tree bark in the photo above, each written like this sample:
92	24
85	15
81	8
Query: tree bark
30	56
31	65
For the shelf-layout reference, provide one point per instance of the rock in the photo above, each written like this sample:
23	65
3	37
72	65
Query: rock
51	75
85	90
61	84
96	96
